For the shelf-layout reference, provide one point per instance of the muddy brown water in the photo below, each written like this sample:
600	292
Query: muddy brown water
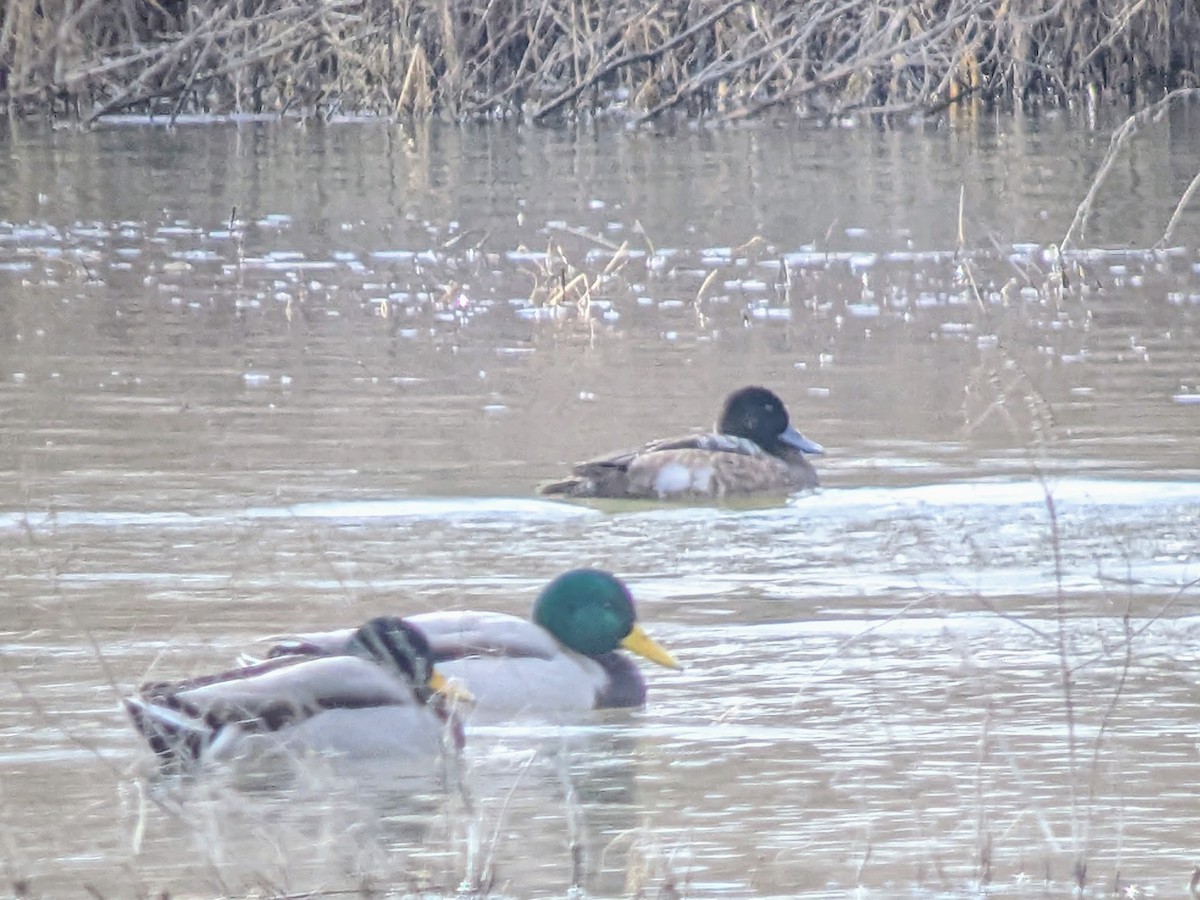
342	404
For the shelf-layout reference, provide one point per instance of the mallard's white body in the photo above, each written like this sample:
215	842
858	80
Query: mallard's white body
336	705
510	665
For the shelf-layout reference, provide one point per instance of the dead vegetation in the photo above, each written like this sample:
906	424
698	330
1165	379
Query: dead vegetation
544	59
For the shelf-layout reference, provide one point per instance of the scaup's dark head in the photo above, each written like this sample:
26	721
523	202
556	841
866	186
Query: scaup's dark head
757	414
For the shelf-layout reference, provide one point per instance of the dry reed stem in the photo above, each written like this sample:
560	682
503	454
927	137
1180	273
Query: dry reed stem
548	58
1083	755
633	58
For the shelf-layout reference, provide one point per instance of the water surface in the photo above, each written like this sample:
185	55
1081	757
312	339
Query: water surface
258	377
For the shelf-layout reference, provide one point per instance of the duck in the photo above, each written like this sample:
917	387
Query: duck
565	658
381	697
753	449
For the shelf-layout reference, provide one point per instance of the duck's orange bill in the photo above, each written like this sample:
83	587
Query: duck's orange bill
637	641
452	689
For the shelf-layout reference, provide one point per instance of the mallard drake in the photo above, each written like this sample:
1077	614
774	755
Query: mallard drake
376	699
754	449
564	657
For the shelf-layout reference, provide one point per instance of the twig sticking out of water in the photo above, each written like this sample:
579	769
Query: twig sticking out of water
1130	127
1184	200
559	281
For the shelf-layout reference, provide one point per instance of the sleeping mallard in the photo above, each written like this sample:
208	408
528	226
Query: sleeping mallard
753	450
565	657
377	699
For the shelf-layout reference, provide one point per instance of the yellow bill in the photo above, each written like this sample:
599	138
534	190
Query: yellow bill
637	641
454	689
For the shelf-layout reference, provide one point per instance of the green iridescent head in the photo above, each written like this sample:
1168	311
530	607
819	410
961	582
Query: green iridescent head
591	612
